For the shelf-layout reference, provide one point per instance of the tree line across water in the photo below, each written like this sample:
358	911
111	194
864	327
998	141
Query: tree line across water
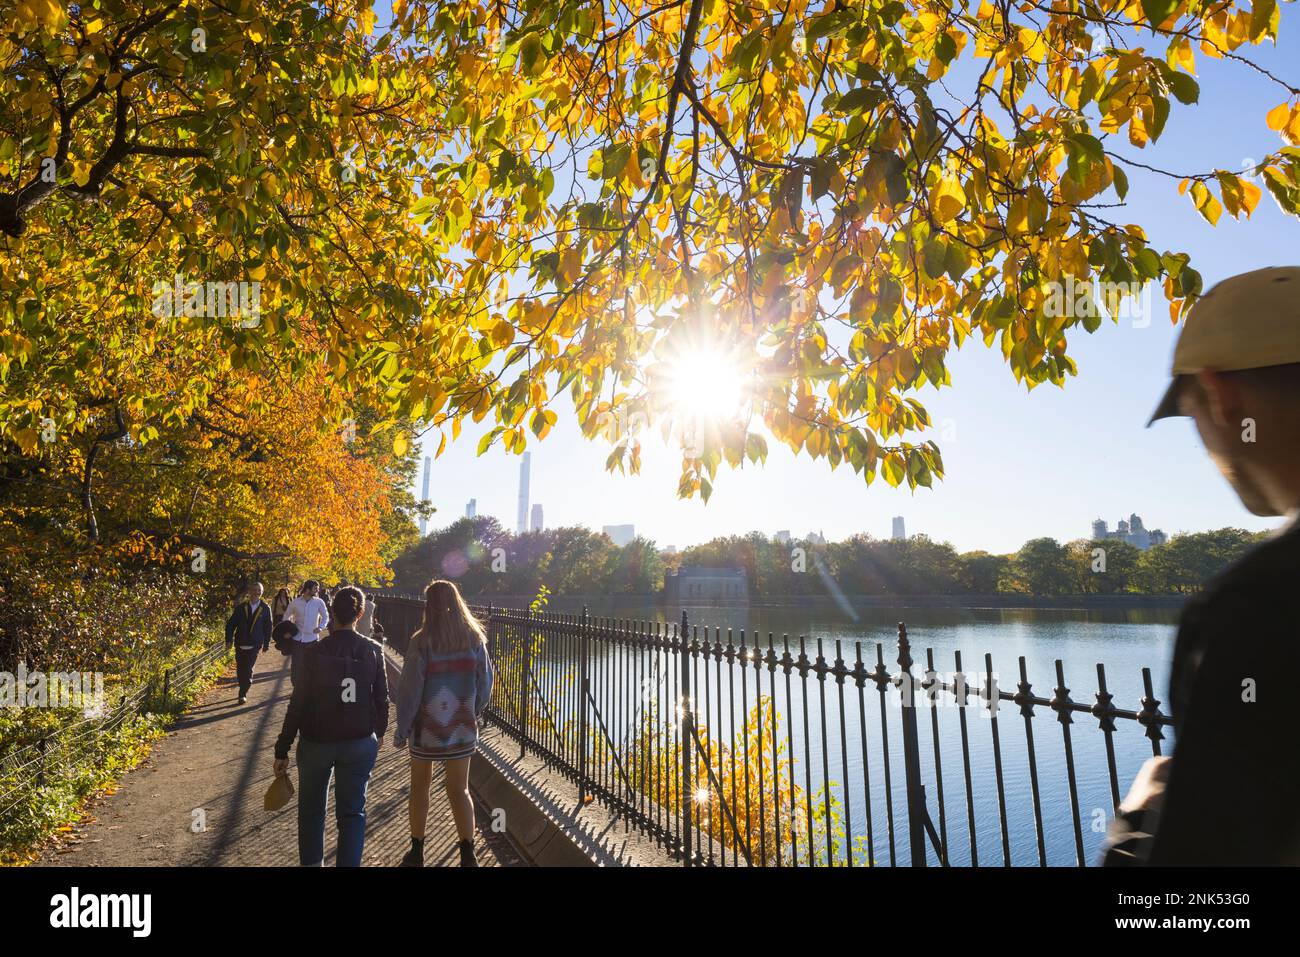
487	559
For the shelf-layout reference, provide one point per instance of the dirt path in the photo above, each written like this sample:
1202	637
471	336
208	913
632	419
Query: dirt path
215	765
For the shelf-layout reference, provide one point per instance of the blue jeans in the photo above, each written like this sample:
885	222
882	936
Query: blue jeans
351	763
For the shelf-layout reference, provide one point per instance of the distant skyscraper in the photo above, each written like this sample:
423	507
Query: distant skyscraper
537	517
424	495
521	517
782	537
900	530
471	508
620	535
1099	529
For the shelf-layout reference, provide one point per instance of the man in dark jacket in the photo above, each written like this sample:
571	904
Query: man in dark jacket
249	629
1230	794
339	713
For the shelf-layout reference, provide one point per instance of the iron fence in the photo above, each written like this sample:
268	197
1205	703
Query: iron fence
735	749
63	751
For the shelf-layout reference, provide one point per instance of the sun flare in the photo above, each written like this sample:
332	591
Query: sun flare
705	383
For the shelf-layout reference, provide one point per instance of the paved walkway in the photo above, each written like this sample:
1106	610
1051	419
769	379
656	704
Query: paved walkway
215	766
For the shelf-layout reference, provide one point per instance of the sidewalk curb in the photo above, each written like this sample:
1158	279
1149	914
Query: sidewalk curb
539	838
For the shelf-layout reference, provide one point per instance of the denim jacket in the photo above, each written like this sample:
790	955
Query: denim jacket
440	698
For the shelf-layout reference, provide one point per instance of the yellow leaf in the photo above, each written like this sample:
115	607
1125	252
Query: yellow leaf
503	333
49	13
1206	204
1250	195
401	444
947	200
1292	132
26	439
1277	116
1180	54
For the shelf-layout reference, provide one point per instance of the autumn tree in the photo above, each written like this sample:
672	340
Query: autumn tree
470	210
194	234
825	198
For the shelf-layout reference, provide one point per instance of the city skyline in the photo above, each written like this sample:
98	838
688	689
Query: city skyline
1135	533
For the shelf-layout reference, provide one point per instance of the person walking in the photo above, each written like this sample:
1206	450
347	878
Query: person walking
1230	792
309	613
248	629
445	685
280	605
326	596
366	624
339	713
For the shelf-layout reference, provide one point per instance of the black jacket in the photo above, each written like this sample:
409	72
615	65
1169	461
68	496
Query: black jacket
340	692
1233	795
245	628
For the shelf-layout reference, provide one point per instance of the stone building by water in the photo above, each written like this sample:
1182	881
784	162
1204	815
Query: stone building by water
1131	531
698	583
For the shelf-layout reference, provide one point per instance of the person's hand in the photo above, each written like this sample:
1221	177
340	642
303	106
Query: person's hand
1149	786
281	766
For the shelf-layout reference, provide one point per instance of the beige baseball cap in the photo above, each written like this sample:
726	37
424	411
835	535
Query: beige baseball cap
1247	322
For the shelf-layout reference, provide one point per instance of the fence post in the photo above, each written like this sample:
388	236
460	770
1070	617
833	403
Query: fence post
524	690
167	687
911	752
688	725
41	746
583	690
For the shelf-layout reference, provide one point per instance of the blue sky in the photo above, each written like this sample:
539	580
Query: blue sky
1019	465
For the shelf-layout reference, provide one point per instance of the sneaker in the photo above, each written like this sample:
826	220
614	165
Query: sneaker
243	699
467	858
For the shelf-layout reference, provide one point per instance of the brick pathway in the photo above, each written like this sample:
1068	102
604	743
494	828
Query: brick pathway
217	758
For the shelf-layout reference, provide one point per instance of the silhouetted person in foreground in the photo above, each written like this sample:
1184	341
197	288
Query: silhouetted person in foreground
1230	793
446	683
249	629
339	712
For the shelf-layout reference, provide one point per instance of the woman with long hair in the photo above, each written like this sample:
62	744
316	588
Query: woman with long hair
279	605
445	685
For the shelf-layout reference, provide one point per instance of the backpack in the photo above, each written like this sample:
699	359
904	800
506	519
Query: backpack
339	691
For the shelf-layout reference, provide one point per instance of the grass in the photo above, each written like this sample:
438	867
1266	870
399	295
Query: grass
82	761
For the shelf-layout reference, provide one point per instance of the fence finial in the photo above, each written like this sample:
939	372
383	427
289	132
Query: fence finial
904	648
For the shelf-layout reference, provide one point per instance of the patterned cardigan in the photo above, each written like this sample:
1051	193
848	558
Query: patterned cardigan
440	697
